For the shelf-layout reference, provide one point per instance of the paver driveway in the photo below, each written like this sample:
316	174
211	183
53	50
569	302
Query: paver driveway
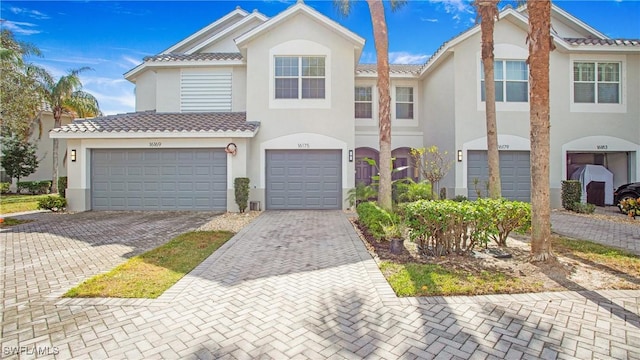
295	285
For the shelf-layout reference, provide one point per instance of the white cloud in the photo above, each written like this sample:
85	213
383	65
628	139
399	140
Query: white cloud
20	28
429	20
403	57
455	7
368	58
131	61
35	14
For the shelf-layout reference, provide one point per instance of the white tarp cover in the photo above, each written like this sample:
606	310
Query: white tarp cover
589	173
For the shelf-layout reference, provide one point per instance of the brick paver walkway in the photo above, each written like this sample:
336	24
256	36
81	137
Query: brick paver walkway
621	235
290	285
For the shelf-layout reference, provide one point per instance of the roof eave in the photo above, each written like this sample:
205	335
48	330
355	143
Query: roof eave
131	75
151	134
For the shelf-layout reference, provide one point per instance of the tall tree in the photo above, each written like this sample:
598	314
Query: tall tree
488	13
540	46
18	157
381	40
19	96
66	96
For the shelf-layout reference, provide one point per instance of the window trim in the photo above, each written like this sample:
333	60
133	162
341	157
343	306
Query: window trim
300	77
595	107
596	81
370	102
505	81
412	102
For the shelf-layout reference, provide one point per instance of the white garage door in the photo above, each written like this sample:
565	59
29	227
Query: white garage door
304	179
159	179
515	174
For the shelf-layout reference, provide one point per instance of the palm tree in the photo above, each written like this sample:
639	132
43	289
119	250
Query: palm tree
66	97
381	41
488	13
540	45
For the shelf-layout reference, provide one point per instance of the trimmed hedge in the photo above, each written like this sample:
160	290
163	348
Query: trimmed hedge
374	218
241	185
571	193
34	187
446	227
53	203
62	186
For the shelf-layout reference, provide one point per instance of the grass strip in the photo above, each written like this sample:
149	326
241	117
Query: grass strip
148	275
414	279
598	255
19	203
7	222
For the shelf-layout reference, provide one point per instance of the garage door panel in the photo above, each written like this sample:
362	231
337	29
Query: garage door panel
303	179
159	179
514	174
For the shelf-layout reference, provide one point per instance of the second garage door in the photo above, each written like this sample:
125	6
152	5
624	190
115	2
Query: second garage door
514	174
303	179
159	179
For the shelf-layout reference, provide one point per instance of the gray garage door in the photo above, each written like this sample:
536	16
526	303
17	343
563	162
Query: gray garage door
514	174
304	179
159	179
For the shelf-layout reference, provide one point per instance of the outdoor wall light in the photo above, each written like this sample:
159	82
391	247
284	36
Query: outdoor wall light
459	155
350	155
73	155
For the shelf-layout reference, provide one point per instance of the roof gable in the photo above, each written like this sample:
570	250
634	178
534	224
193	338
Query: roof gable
300	8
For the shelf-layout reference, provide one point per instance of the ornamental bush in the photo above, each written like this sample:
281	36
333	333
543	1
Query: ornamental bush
4	187
631	207
241	185
457	227
34	187
571	193
375	218
62	186
53	203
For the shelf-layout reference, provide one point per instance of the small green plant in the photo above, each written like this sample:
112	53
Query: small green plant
241	185
583	208
361	193
443	193
62	186
53	203
34	187
460	198
571	193
413	191
4	187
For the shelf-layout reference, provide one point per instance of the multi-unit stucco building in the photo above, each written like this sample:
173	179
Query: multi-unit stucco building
285	102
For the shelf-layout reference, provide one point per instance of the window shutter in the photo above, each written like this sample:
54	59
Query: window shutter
201	92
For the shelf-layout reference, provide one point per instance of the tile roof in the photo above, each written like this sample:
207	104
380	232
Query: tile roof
617	42
151	121
393	68
193	57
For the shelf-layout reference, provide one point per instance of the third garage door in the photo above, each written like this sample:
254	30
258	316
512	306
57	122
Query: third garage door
303	179
514	174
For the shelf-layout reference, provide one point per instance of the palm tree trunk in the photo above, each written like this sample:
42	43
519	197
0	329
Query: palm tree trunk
488	11
381	40
57	115
540	45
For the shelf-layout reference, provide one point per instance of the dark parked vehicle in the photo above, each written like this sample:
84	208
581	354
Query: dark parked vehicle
626	191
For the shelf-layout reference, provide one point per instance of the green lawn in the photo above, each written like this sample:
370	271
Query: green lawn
148	275
18	203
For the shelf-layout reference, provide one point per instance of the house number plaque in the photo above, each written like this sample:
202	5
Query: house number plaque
155	144
303	146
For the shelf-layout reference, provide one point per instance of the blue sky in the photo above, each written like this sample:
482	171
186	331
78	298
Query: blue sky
112	37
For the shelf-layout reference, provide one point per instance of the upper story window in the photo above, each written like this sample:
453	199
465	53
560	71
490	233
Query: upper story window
364	102
404	102
511	79
596	82
299	77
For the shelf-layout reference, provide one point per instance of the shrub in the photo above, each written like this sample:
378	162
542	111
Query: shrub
374	218
416	191
53	203
34	187
582	208
460	198
571	193
4	187
443	193
62	186
446	227
361	193
241	185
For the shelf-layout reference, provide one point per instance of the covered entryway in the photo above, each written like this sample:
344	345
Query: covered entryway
303	179
515	174
159	179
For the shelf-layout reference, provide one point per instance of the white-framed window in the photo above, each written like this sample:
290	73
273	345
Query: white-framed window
299	77
596	82
511	79
363	102
404	102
